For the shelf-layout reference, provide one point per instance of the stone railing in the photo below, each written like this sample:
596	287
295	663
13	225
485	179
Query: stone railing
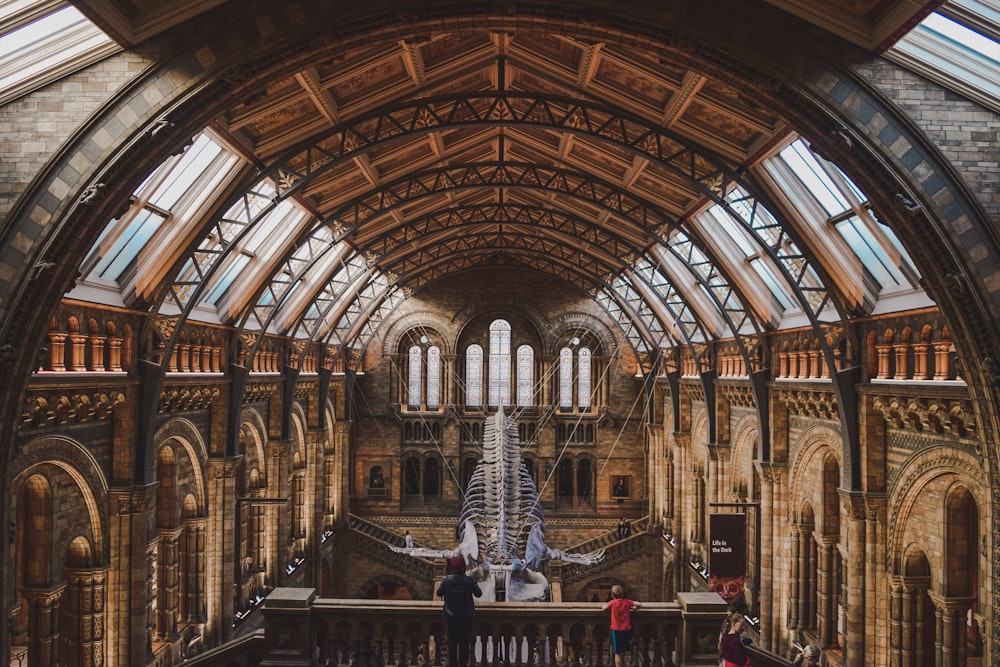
300	629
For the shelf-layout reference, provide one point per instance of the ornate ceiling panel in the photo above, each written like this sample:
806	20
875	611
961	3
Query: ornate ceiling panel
521	147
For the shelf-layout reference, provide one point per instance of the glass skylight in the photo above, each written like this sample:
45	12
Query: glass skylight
133	238
846	209
177	191
962	37
43	50
809	171
958	47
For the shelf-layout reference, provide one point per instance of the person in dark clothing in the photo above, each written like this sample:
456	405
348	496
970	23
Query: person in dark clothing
459	611
731	648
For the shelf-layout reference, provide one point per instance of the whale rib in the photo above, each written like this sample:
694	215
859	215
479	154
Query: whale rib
502	518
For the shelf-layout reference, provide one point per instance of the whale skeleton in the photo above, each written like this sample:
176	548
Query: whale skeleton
501	527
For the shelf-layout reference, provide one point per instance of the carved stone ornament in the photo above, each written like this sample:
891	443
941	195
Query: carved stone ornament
54	407
224	469
131	505
93	194
809	403
923	414
738	395
182	399
259	391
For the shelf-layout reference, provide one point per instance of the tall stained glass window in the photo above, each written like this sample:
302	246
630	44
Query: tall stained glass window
583	377
474	376
500	362
525	375
565	378
414	377
433	376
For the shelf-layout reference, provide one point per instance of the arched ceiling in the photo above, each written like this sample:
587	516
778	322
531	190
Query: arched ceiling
585	159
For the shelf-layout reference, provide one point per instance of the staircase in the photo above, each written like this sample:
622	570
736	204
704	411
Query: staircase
374	531
375	541
616	550
609	539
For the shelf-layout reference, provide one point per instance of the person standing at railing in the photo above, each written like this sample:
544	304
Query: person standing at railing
732	647
459	610
621	622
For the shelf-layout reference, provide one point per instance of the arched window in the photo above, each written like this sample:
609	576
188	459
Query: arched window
421	479
585	481
583	377
525	375
564	479
566	378
474	376
411	476
432	478
468	468
414	383
433	377
499	363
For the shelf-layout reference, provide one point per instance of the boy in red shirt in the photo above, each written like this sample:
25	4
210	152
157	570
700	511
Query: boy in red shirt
621	624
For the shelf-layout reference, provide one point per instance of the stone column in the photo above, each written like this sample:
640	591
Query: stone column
794	585
278	519
950	635
856	625
95	352
210	555
902	352
342	473
128	576
167	586
193	571
43	625
114	353
713	486
195	358
84	598
813	574
767	569
217	361
884	354
57	350
826	596
921	361
910	599
942	365
896	624
875	603
681	511
817	365
77	352
779	574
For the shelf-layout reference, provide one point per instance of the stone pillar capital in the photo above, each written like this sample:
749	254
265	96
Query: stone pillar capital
947	604
43	597
223	467
774	474
133	500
